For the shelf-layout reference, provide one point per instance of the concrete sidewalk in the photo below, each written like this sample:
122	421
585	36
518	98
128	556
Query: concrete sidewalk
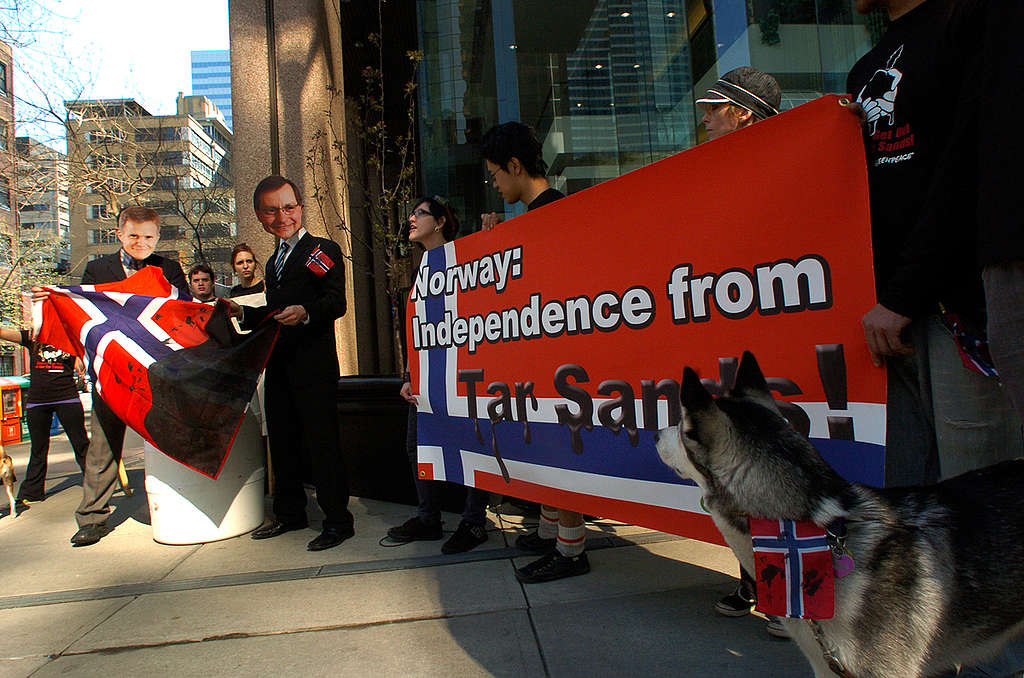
238	607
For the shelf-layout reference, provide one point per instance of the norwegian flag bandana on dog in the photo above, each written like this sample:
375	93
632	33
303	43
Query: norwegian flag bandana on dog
794	569
318	262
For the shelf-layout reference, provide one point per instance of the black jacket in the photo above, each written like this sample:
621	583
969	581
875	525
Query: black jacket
307	349
108	269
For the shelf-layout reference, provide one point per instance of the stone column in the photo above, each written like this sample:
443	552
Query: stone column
284	55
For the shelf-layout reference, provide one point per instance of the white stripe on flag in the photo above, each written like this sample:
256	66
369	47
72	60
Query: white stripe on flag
457	406
434	455
667	495
147	322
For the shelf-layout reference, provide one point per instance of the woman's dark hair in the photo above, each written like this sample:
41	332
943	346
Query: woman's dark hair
243	247
438	208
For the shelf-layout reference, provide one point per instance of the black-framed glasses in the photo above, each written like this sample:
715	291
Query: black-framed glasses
286	210
420	212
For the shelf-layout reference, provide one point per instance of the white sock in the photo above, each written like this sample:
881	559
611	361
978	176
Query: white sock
571	540
548	527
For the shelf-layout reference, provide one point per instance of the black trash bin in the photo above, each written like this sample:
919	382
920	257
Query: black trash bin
372	419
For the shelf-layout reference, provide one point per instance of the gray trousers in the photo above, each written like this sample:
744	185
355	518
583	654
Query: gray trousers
100	475
1004	297
953	420
943	419
1004	301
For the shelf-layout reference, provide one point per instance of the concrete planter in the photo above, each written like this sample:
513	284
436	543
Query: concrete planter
186	507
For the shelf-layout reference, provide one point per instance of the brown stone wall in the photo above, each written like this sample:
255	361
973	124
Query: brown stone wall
306	59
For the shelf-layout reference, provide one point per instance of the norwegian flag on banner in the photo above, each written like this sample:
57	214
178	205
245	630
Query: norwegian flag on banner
318	262
172	369
793	568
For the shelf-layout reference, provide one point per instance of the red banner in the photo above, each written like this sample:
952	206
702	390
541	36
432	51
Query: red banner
549	350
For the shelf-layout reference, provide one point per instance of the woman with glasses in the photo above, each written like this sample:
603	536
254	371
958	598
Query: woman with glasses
431	225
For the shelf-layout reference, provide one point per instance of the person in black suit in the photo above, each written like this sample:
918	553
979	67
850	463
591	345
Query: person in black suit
305	287
138	229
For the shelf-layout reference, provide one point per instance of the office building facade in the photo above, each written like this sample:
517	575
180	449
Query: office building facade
12	308
43	212
609	85
211	77
180	165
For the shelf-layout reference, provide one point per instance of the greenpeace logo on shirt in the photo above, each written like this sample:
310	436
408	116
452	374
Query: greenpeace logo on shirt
893	159
892	141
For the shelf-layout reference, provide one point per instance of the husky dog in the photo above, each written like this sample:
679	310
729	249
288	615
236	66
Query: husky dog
938	570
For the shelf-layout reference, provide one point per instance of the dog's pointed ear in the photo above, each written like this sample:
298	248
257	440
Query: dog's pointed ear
693	394
750	381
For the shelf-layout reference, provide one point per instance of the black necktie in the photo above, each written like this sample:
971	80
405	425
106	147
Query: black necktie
282	252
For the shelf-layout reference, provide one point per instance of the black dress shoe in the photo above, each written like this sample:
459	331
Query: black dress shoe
331	536
90	534
276	528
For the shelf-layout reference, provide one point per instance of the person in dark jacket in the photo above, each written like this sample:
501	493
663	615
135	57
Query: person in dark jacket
305	289
943	418
138	229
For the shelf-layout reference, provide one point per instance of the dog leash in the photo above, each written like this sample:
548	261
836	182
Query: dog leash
834	665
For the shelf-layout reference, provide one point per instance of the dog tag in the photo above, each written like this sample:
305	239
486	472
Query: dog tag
843	564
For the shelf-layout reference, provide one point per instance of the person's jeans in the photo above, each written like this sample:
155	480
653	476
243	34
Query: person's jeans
431	492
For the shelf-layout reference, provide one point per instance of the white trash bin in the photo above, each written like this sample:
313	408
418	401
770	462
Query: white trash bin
187	507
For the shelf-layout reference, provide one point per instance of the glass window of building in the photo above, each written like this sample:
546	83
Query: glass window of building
609	85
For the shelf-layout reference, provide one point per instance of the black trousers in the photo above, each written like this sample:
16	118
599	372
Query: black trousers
302	424
72	418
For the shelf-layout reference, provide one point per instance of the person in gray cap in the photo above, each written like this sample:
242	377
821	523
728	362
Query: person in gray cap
738	99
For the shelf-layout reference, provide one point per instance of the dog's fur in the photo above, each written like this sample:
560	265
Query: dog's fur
938	569
7	477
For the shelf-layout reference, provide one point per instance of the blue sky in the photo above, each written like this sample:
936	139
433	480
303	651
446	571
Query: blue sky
113	49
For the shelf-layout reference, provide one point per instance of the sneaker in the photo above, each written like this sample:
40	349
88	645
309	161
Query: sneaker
532	542
736	604
775	628
31	500
467	537
415	529
553	566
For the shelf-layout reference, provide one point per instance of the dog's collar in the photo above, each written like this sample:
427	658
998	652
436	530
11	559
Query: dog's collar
835	533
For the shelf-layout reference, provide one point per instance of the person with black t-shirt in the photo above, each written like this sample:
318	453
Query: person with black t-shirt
515	179
919	93
245	264
51	391
514	160
980	134
943	419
